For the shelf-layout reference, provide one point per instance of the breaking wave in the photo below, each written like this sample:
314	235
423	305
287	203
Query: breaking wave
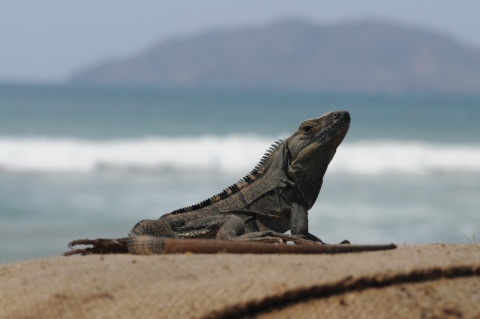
233	153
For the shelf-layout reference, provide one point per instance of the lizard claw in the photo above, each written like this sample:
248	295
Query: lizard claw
82	252
100	246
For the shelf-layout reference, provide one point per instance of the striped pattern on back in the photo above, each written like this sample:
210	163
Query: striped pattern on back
247	180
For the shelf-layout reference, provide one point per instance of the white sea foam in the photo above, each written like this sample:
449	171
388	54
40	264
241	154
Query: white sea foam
234	153
406	157
228	153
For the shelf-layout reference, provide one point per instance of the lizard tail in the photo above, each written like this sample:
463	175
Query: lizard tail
146	245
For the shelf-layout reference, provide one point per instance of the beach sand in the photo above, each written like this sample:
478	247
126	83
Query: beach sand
412	281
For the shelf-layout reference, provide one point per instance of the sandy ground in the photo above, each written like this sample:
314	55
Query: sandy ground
421	281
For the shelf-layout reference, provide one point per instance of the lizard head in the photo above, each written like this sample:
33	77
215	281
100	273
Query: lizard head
310	150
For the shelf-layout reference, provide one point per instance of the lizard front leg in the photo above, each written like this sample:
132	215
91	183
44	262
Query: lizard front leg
299	223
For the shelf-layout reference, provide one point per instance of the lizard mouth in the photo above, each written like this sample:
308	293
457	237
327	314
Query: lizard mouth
336	130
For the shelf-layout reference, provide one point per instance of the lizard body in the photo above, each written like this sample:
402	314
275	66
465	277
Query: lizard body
273	198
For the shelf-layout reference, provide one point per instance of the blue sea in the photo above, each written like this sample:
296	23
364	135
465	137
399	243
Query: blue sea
79	162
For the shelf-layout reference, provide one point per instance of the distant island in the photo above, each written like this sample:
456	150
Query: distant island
364	57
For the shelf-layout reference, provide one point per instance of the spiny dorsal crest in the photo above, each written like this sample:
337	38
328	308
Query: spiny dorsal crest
245	181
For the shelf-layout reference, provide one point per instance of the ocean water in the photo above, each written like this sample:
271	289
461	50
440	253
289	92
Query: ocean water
79	162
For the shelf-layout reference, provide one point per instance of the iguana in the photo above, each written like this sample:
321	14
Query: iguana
273	198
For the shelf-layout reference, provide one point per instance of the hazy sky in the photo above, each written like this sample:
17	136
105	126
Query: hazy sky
48	40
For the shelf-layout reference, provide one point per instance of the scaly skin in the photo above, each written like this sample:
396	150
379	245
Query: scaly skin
274	198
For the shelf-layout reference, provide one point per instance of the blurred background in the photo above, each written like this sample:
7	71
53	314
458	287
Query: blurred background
116	111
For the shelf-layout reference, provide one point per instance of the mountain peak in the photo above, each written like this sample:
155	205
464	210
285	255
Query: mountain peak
369	56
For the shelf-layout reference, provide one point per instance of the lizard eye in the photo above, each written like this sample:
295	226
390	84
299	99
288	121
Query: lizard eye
307	128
